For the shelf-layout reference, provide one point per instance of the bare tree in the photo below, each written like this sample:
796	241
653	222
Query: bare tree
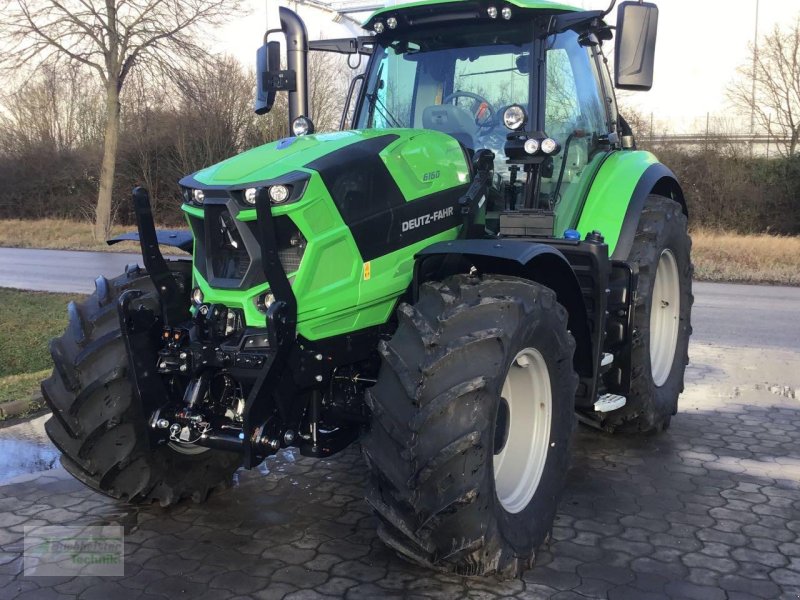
775	71
109	37
328	80
216	101
58	108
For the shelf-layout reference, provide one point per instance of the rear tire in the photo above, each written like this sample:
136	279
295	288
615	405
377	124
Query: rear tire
442	479
660	353
99	427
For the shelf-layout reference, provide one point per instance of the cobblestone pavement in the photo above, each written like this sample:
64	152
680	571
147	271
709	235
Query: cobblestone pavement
709	510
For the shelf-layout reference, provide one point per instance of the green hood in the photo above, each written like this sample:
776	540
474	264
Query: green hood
283	156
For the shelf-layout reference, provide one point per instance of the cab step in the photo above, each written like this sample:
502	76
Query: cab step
608	402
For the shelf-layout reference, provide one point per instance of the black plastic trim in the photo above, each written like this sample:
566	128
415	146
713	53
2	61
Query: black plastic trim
298	180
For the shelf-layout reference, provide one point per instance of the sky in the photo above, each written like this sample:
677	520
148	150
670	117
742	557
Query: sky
700	45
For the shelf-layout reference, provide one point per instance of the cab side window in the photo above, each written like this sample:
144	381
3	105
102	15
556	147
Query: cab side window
575	116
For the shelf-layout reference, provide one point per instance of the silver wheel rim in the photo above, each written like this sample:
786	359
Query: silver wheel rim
519	465
664	317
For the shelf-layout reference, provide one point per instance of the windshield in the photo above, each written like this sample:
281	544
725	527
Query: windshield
457	82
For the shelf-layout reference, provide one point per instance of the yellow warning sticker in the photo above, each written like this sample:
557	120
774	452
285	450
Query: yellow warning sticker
366	271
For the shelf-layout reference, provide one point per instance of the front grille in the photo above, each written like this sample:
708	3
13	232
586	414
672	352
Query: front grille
291	244
226	249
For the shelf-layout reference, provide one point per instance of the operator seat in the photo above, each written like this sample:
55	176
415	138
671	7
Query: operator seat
452	120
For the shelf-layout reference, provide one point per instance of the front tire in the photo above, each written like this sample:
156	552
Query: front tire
662	320
97	424
472	417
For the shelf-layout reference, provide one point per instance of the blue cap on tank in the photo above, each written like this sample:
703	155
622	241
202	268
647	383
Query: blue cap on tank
572	234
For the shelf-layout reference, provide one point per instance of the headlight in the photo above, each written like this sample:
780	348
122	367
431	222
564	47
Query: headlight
492	12
531	146
197	296
198	196
278	194
514	117
506	12
250	196
391	22
378	27
302	126
550	146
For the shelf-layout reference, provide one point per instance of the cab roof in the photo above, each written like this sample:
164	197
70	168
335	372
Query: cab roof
425	11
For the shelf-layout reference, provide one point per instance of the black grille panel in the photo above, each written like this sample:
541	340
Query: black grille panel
228	252
291	244
228	256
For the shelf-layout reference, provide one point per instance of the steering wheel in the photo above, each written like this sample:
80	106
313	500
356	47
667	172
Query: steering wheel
482	110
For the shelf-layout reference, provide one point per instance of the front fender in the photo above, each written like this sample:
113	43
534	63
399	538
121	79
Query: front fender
537	262
618	194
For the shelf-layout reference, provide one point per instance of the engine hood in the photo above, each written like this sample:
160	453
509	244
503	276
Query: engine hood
273	160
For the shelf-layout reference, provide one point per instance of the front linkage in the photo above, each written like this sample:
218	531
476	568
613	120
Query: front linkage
207	380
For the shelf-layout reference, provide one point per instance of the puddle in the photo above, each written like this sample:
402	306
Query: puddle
25	449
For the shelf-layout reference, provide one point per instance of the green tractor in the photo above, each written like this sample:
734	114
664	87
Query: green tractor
478	259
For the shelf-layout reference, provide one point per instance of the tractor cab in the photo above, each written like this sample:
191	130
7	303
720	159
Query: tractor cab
490	78
526	80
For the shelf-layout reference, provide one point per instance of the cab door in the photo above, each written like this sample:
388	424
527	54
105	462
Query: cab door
577	113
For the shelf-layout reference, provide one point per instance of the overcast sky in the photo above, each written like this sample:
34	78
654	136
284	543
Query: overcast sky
700	44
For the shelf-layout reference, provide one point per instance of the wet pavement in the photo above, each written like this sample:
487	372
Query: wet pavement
69	271
708	510
24	448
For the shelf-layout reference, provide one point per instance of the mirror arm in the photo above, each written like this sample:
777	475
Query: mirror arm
357	45
610	8
563	22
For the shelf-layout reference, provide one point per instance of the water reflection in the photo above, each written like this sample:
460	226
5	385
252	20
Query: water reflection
25	448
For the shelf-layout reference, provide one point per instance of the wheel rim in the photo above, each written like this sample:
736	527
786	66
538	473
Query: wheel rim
664	317
519	459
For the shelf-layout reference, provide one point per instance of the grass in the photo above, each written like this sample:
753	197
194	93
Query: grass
27	322
61	234
729	257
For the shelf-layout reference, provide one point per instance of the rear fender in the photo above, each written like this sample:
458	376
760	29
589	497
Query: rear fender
618	195
537	262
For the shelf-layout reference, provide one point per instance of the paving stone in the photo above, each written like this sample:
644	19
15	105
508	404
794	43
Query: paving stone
678	543
701	576
558	580
686	590
760	589
605	572
593	588
770	559
785	577
625	592
782	535
299	577
238	582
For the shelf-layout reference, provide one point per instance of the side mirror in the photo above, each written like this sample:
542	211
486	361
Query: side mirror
635	48
268	62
